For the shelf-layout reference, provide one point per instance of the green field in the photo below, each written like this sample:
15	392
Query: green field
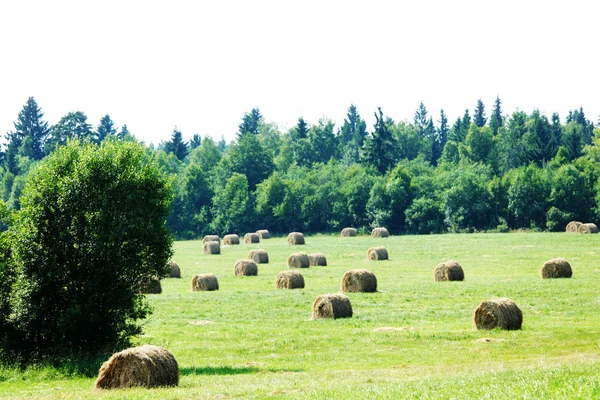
250	340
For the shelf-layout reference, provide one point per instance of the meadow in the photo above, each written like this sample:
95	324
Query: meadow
250	340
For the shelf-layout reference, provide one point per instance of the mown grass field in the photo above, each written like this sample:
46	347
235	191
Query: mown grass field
250	340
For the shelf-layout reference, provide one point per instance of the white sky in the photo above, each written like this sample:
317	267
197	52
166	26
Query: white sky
200	65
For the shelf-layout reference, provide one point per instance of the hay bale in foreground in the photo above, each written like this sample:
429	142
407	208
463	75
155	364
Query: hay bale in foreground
146	366
318	259
347	232
175	271
152	286
250	238
587	228
498	313
298	260
245	268
332	306
377	253
212	248
295	238
448	271
573	226
380	232
289	280
204	282
359	280
211	238
556	268
259	256
230	240
263	234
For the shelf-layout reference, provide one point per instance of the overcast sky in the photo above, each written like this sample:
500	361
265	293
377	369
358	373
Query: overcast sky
200	65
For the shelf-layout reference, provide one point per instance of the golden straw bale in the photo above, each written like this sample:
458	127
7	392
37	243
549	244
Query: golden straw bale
259	256
317	259
230	240
573	226
380	232
250	238
152	286
346	232
289	280
298	260
332	306
245	268
498	313
295	238
212	248
175	271
587	228
211	238
448	271
359	280
263	234
556	268
146	366
377	253
204	282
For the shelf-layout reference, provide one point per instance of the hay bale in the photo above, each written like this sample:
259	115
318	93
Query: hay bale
377	253
245	268
263	234
230	240
359	280
346	232
380	232
212	248
573	226
587	228
298	260
295	238
332	306
556	268
289	280
152	286
259	256
498	313
211	238
250	238
317	259
175	271
204	282
146	366
448	271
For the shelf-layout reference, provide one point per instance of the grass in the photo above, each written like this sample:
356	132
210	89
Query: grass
250	340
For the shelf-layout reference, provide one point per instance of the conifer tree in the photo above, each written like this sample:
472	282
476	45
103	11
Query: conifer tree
378	149
496	117
105	129
250	122
479	117
29	136
176	146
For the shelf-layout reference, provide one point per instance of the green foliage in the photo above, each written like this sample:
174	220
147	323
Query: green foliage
378	149
232	206
74	125
527	196
496	120
105	129
176	145
250	158
250	123
479	118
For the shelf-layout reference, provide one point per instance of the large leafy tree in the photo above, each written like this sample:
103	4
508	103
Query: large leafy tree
232	206
249	157
74	125
378	149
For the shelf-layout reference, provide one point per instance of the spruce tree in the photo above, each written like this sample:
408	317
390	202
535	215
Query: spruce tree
250	122
479	117
496	117
441	137
378	149
123	133
105	129
300	131
31	130
176	146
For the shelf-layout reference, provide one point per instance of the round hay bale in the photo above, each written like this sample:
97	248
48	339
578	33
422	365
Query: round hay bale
377	253
317	259
175	271
380	232
295	238
212	248
259	256
359	280
211	238
146	366
587	228
289	280
347	232
263	234
204	282
152	286
573	226
250	238
245	268
230	240
448	271
498	313
298	260
556	268
332	306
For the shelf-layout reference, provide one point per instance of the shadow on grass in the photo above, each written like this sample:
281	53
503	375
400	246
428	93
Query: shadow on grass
226	370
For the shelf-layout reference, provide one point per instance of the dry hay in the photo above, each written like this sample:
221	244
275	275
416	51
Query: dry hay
211	238
498	313
204	282
289	280
245	268
346	232
332	306
359	280
587	228
250	238
264	234
231	239
212	248
573	226
259	256
147	366
317	259
174	272
298	260
295	238
556	268
380	232
377	253
448	271
152	286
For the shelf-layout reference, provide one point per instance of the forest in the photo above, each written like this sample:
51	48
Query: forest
498	173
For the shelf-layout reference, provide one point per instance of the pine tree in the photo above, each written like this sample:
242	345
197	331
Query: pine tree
496	121
378	149
105	129
479	117
441	137
250	122
176	146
